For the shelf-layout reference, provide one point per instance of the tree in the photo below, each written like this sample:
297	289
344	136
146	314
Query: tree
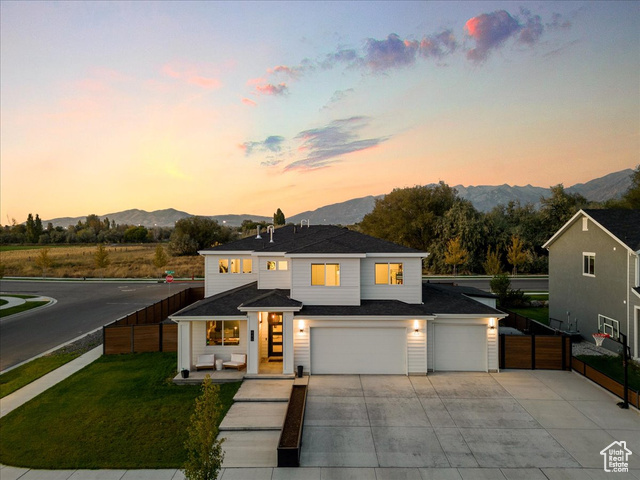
492	265
101	257
44	261
160	258
136	234
31	229
516	255
278	218
204	450
455	254
557	209
195	233
410	216
631	199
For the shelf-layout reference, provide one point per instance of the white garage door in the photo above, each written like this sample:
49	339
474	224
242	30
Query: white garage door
358	350
460	348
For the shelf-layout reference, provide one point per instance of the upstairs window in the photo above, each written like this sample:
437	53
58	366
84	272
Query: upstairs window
589	264
389	274
279	265
325	274
234	265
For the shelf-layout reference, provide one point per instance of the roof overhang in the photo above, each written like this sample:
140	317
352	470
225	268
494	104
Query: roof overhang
325	255
365	317
398	255
207	317
269	309
225	252
463	316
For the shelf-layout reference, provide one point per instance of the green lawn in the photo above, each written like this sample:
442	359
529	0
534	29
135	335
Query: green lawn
21	308
122	411
27	373
541	314
612	366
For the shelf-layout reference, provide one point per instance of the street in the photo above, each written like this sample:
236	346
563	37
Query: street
81	307
526	284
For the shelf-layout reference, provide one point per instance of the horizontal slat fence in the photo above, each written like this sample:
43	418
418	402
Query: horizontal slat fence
535	352
143	330
605	381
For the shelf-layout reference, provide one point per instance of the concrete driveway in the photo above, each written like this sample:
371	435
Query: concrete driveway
513	419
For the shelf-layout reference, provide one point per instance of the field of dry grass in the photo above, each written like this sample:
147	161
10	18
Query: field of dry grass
135	261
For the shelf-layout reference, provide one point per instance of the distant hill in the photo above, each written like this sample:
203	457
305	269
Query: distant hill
483	197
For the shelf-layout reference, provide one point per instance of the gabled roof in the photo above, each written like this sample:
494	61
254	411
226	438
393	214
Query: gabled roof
464	289
272	299
623	225
224	304
315	239
451	300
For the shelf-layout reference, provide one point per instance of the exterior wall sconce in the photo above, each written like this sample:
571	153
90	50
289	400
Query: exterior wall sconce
416	327
301	326
492	323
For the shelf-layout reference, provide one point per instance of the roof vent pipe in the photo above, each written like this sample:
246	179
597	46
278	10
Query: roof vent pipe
302	223
270	230
258	237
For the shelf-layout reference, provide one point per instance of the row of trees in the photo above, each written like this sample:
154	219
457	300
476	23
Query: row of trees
458	237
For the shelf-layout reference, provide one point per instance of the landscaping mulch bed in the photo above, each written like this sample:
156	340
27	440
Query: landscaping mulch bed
291	436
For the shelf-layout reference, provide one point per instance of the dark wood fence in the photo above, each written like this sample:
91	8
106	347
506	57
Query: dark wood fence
143	330
549	352
605	381
526	325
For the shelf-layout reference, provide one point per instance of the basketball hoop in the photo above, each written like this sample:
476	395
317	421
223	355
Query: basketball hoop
599	338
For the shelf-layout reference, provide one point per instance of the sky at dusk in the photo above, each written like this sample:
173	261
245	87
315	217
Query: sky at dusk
246	107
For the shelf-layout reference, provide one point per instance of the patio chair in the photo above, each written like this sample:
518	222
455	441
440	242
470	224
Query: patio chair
206	361
238	361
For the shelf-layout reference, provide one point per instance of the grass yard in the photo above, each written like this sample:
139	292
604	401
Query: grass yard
612	366
122	411
21	308
78	261
541	314
19	377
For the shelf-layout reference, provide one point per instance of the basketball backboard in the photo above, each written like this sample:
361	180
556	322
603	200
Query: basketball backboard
609	326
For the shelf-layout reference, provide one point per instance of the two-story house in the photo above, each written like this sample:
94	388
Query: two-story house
594	274
334	301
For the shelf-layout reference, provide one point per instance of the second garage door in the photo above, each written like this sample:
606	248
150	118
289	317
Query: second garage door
358	350
460	348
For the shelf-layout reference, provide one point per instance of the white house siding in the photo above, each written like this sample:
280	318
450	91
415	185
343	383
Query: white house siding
268	279
199	342
416	346
410	291
216	282
348	293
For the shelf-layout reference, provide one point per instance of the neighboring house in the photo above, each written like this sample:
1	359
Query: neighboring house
594	274
336	302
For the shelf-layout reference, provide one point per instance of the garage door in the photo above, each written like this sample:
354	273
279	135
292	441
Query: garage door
358	350
460	348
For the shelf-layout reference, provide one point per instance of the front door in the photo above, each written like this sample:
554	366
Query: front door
275	335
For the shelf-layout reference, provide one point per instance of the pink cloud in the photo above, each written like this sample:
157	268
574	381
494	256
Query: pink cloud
248	101
191	76
270	89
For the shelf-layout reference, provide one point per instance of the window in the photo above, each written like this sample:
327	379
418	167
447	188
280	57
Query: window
585	224
247	265
589	264
235	265
279	265
223	332
223	266
389	274
325	274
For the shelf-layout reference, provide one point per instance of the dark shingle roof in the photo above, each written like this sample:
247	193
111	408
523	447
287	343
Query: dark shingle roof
436	299
624	224
314	239
465	290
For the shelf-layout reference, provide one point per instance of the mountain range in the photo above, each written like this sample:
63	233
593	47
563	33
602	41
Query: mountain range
483	197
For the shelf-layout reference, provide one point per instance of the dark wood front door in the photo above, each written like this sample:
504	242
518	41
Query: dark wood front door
275	335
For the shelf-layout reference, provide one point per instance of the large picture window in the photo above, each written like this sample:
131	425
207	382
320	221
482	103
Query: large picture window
389	274
589	264
223	332
325	274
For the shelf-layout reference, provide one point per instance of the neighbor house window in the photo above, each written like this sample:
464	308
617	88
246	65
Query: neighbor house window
283	265
223	332
589	264
325	274
271	265
389	274
235	265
